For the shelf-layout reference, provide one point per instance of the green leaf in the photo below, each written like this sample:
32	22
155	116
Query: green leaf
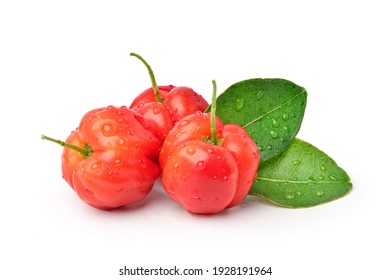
302	176
271	111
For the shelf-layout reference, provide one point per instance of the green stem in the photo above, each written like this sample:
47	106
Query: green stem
85	152
152	78
213	128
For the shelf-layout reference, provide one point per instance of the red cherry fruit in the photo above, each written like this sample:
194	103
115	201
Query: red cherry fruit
208	166
164	106
111	159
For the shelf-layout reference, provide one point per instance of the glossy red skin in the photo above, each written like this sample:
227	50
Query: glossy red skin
148	95
178	102
237	141
123	166
227	171
159	116
201	177
184	101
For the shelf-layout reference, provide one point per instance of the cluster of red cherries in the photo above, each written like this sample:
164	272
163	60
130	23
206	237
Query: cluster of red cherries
116	154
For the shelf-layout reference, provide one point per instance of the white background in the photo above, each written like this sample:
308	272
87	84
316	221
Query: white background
60	59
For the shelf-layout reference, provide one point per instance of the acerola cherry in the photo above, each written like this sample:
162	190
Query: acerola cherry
164	106
208	166
111	159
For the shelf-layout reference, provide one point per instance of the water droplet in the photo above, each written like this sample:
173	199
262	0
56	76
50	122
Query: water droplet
110	173
225	178
191	151
119	189
219	158
320	193
194	197
275	123
239	103
156	111
261	148
285	117
332	177
198	113
179	134
142	163
289	196
321	177
254	155
323	167
109	129
184	123
269	147
286	129
210	150
296	162
117	161
110	107
121	141
215	178
180	146
176	165
95	167
201	165
311	178
274	134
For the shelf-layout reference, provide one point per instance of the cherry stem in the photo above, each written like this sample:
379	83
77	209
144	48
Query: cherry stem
152	78
84	152
213	128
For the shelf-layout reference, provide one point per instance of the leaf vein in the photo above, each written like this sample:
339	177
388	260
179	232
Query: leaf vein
274	109
299	182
